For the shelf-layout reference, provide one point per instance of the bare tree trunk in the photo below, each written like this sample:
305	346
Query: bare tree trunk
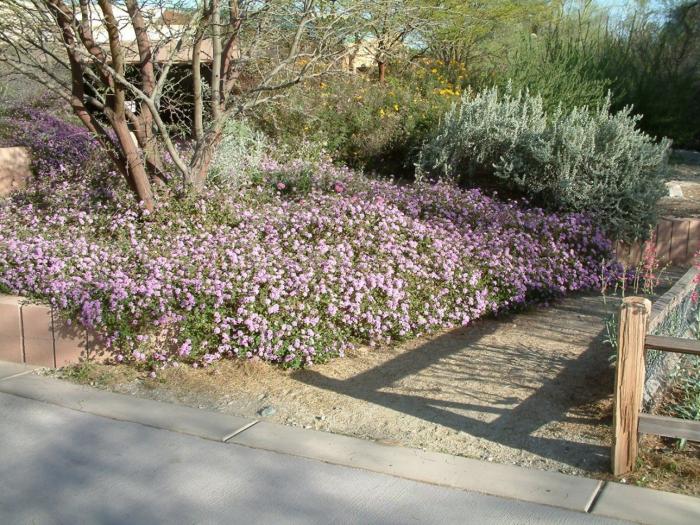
199	166
144	126
216	60
208	139
134	163
231	52
382	71
198	126
117	112
78	89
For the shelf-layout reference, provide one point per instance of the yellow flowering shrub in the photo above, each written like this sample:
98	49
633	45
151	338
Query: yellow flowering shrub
368	124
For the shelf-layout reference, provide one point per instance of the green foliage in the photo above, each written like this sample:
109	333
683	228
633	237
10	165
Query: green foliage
375	126
610	338
648	60
653	66
560	68
240	151
571	57
578	160
481	34
688	390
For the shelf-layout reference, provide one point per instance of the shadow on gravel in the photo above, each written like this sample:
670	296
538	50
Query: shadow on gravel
553	370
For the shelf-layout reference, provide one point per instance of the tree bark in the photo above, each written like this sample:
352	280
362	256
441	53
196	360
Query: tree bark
382	71
134	163
216	60
201	160
144	126
117	112
77	99
197	124
231	52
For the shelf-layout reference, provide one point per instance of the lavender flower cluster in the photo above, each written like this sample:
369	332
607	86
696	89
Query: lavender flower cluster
57	146
287	276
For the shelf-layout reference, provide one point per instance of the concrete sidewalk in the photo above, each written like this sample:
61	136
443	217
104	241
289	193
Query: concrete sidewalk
72	454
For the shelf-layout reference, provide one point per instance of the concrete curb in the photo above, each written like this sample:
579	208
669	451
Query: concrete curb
508	481
10	370
176	418
548	488
628	502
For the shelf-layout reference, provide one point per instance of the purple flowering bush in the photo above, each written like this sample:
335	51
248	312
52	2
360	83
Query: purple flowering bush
305	261
57	146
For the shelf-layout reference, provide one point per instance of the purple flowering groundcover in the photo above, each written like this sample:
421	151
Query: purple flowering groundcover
284	276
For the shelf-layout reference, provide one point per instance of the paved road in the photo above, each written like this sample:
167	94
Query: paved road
60	466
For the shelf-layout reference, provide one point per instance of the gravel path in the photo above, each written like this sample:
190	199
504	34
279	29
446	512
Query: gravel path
684	171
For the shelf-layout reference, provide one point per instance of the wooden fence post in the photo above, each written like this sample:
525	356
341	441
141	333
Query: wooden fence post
629	382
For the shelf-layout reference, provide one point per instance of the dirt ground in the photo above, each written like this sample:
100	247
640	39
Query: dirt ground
531	389
684	170
664	465
672	464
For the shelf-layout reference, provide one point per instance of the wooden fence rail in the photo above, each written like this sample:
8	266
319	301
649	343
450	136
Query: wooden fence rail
672	344
669	427
629	422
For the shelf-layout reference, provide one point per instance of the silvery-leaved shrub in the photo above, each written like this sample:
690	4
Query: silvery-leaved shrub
238	155
581	159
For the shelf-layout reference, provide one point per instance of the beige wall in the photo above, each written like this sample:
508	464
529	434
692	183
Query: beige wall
360	55
15	169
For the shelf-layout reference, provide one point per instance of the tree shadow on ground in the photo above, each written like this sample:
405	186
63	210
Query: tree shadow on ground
500	389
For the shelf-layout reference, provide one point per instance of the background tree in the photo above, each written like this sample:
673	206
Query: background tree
646	57
118	64
559	58
480	35
653	60
390	25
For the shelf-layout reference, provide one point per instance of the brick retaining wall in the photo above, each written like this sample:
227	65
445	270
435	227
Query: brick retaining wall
677	243
34	334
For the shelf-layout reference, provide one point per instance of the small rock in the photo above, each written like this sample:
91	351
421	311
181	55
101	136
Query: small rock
321	418
268	411
674	190
261	397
